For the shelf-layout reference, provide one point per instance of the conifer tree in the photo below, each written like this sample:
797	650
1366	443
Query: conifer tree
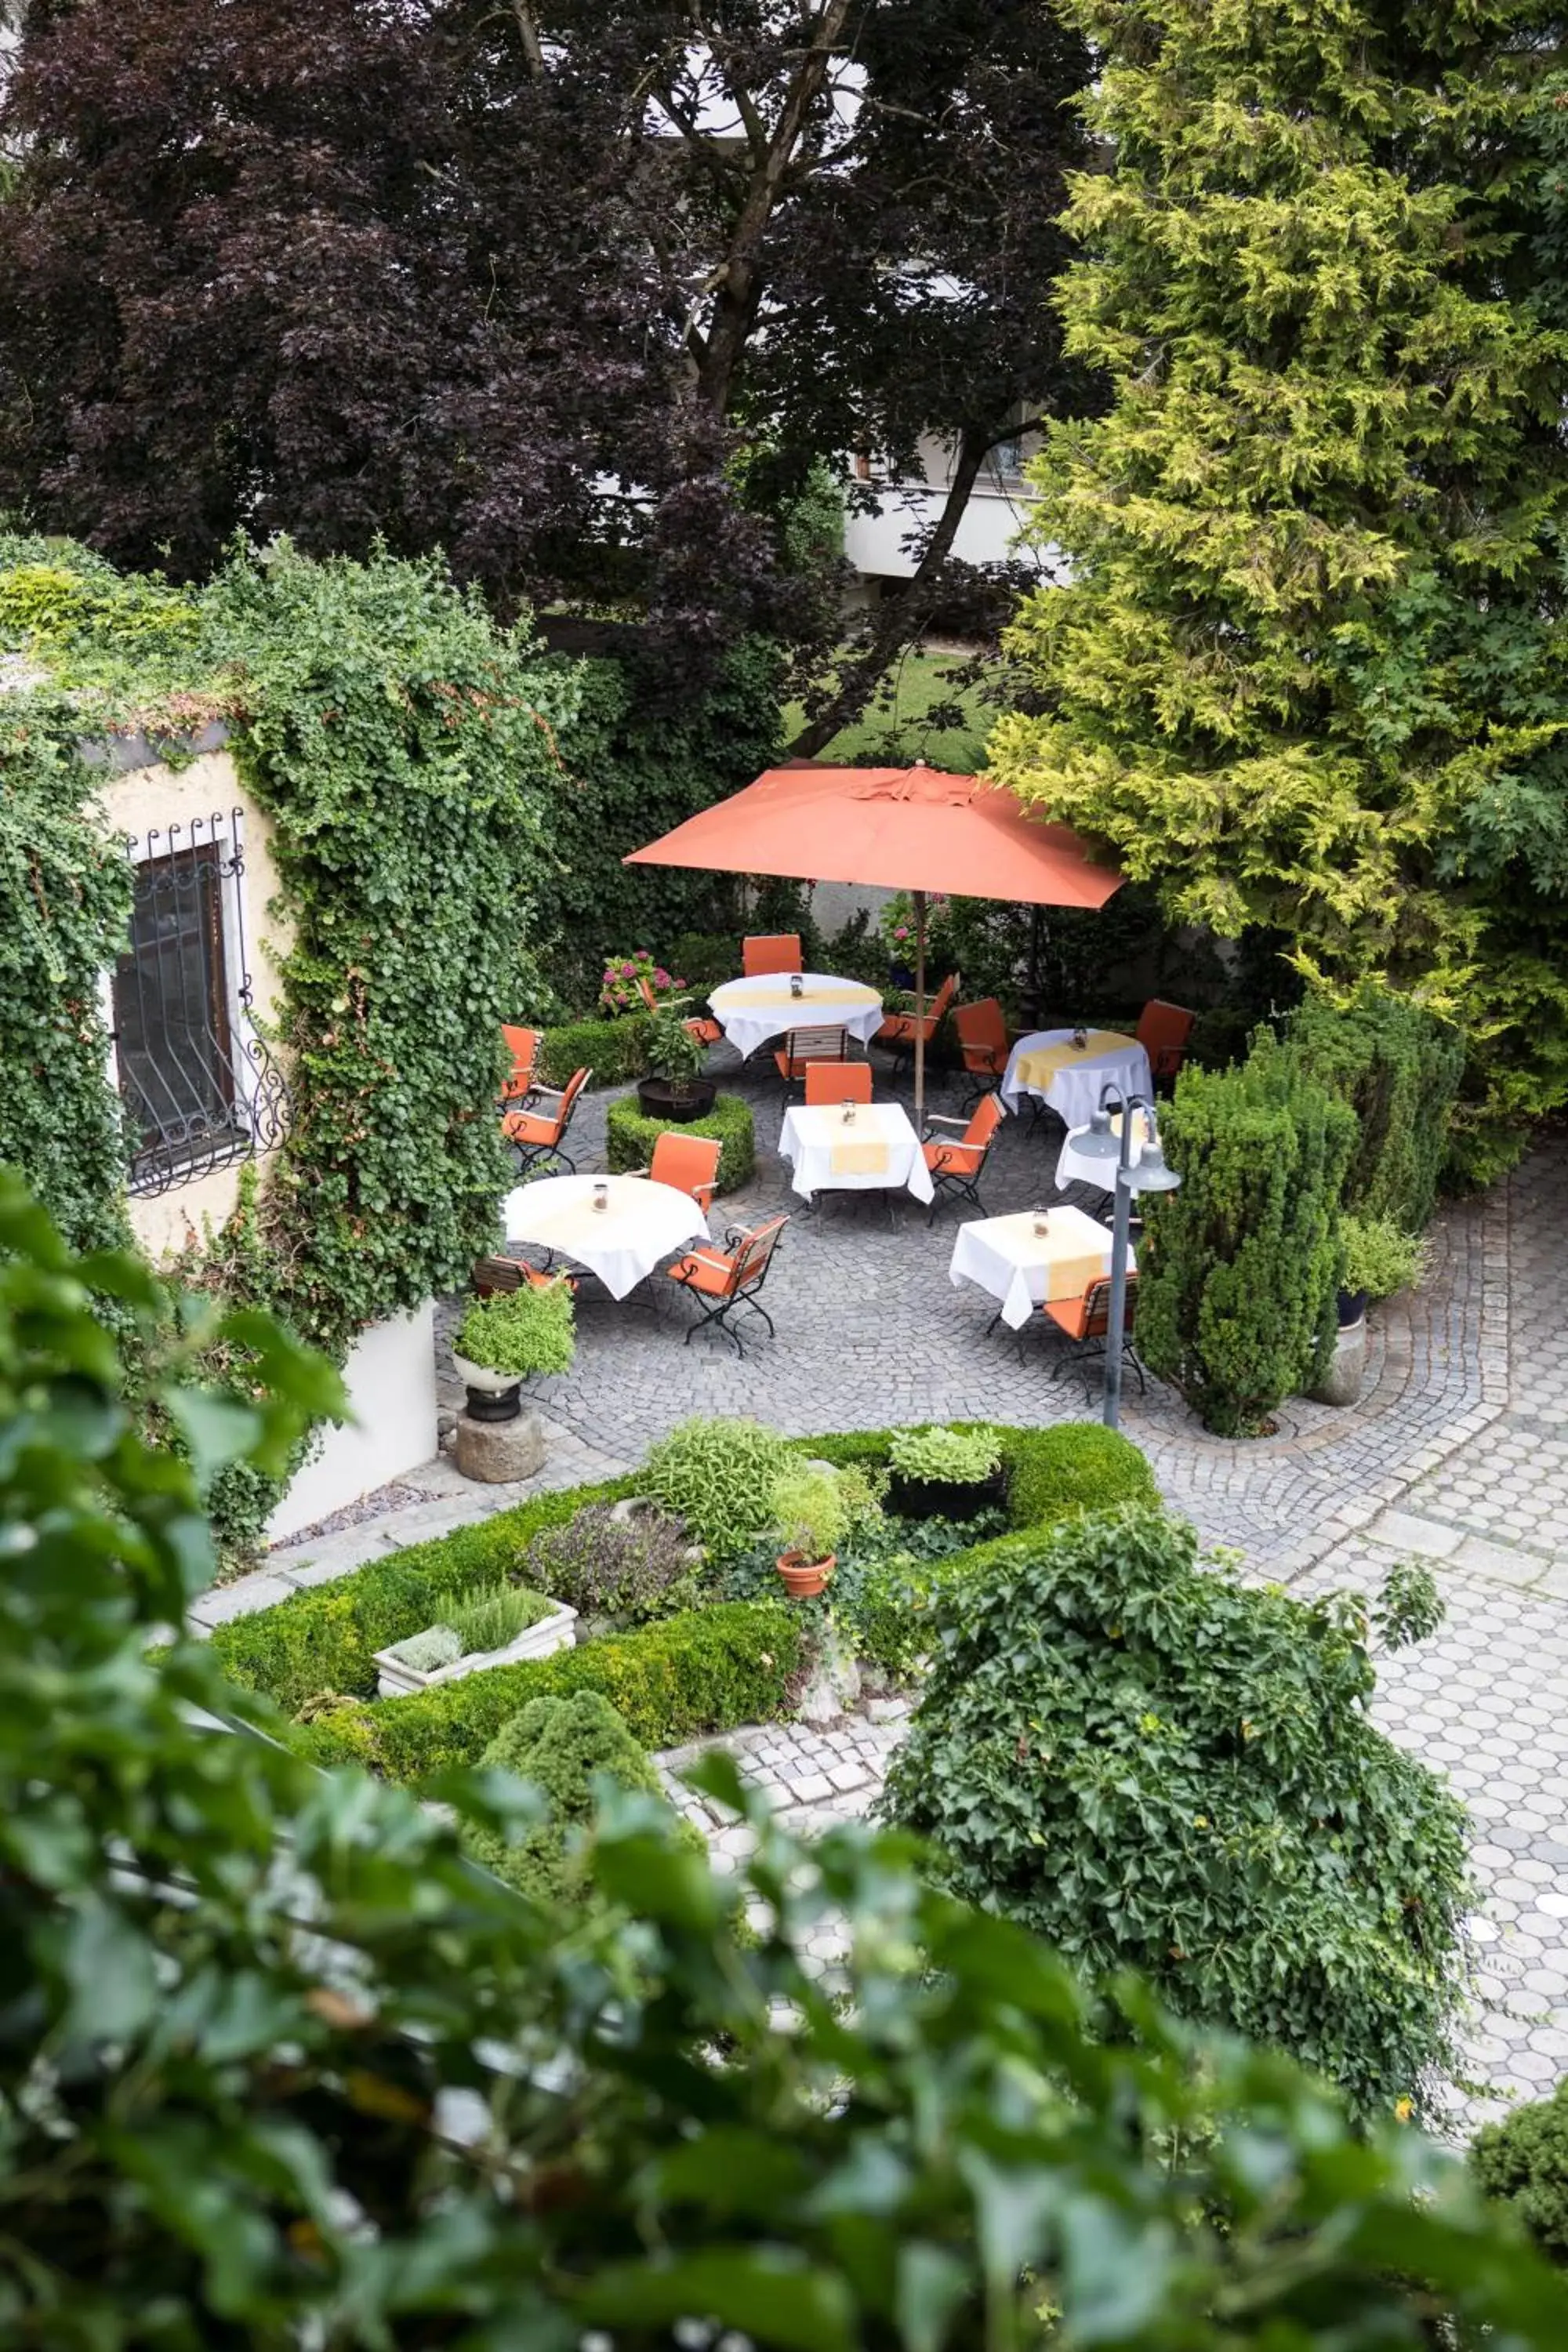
1308	670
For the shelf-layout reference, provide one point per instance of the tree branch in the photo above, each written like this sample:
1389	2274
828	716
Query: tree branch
527	33
902	618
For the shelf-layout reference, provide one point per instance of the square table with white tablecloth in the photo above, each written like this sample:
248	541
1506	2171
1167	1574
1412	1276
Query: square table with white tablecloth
1022	1268
878	1149
751	1011
1071	1077
640	1225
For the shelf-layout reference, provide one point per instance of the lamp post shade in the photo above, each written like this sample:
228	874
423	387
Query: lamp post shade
917	829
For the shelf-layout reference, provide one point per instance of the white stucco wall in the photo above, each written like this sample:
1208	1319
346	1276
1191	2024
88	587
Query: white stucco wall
157	797
391	1379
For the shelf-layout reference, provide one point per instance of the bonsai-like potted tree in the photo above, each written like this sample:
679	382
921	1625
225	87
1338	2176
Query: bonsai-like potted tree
675	1089
812	1514
506	1339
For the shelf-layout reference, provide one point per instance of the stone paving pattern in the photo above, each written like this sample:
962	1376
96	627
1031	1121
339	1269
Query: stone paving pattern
1457	1453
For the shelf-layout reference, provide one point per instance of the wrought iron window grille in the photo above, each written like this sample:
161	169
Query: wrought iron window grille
200	1089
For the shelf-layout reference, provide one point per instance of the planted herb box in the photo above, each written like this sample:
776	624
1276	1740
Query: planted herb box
395	1677
946	1498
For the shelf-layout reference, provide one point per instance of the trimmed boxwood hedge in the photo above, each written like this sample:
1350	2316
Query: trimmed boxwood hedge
706	1671
614	1050
631	1135
324	1640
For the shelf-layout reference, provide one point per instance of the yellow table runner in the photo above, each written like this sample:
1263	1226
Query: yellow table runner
573	1220
847	992
857	1159
1038	1069
1069	1267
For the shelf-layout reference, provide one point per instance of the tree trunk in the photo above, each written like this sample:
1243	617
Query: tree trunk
902	618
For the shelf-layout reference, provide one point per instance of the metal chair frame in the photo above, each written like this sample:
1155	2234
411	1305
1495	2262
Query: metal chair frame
518	1087
965	1184
984	1074
1089	1346
803	1045
897	1033
754	1249
528	1155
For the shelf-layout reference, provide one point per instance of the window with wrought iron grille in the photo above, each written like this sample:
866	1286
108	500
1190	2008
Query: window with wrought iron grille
200	1089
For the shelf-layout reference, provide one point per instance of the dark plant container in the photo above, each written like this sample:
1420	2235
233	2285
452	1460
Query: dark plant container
946	1498
901	975
1353	1306
485	1404
679	1101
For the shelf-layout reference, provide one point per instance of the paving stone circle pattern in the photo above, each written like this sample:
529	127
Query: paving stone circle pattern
1456	1454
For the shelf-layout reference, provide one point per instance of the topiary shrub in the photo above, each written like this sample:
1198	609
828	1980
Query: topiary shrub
561	1745
1078	1465
1154	1768
1239	1270
719	1474
631	1135
1524	2160
1399	1068
613	1049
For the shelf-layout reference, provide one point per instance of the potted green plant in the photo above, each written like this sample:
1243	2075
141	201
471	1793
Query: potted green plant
945	1474
1380	1258
507	1338
675	1089
812	1516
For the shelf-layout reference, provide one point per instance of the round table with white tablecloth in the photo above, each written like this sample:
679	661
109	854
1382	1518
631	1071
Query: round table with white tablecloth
876	1150
751	1011
1071	1077
640	1225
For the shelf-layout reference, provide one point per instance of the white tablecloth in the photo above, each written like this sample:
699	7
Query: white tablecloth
752	1011
1074	1167
642	1225
1074	1090
810	1139
1006	1257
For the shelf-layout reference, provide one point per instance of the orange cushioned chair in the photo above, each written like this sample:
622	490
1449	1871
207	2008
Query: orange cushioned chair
770	951
522	1044
690	1163
983	1036
1163	1032
1085	1324
705	1031
899	1031
956	1167
838	1082
536	1135
722	1281
803	1046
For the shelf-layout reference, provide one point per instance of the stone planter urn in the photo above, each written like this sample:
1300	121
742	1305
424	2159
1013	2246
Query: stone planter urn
495	1440
1346	1369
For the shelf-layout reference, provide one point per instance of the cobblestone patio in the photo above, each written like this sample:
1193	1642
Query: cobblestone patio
1457	1453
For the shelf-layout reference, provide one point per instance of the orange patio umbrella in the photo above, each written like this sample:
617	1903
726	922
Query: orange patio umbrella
915	829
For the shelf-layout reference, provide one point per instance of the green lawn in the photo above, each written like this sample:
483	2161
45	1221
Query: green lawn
894	727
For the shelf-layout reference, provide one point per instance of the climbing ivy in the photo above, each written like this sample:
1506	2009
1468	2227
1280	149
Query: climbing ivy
402	747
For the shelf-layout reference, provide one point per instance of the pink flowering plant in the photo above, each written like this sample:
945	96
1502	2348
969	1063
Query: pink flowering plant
619	991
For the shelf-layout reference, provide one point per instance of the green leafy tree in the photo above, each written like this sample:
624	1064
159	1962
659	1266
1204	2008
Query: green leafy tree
1239	1269
237	1998
1308	670
1154	1766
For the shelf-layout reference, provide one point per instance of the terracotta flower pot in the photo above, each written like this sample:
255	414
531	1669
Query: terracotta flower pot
805	1578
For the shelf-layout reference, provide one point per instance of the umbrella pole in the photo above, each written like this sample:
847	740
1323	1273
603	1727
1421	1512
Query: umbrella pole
919	1009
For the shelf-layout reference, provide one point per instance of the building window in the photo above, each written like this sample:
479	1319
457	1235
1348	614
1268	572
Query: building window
199	1088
